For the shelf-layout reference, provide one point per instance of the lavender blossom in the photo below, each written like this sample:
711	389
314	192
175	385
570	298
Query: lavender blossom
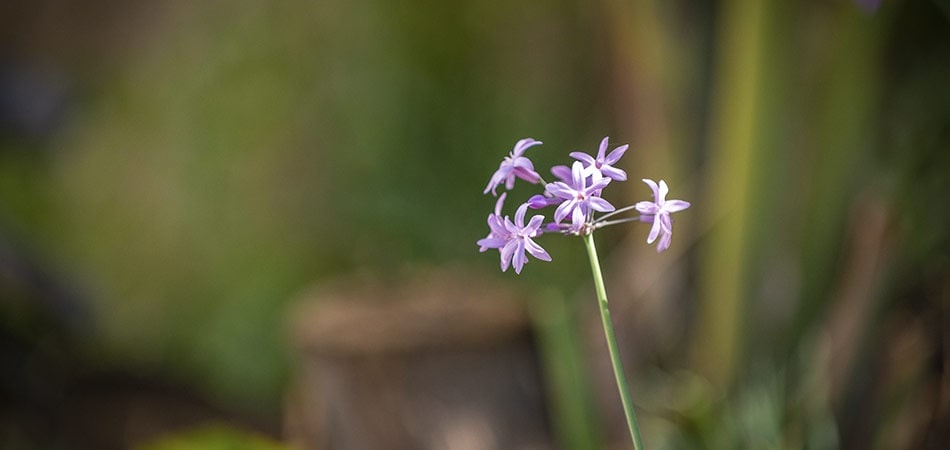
514	165
514	238
602	165
552	227
577	198
496	219
542	201
660	210
562	173
576	192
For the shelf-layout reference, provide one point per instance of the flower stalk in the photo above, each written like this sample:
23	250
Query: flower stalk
612	344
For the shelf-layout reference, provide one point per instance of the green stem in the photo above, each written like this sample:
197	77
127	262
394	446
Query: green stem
612	344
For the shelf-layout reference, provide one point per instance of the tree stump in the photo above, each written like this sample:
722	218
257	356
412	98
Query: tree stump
436	360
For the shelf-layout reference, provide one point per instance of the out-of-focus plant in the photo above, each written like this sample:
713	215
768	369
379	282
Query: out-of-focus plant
215	437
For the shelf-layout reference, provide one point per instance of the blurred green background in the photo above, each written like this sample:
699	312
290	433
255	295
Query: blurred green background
172	175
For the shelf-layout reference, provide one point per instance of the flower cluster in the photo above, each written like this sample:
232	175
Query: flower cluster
577	194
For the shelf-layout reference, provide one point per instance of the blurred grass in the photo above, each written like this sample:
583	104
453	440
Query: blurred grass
574	420
737	96
848	97
240	153
235	158
212	438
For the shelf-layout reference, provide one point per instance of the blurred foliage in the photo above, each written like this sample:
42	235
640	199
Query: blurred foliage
212	438
234	158
195	166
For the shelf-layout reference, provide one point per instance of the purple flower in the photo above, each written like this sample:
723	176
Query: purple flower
602	166
660	210
514	238
514	165
552	227
562	173
495	223
577	198
542	201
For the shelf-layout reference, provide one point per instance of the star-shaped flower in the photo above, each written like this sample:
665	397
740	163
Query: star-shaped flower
496	224
659	211
514	165
602	165
577	198
513	239
562	173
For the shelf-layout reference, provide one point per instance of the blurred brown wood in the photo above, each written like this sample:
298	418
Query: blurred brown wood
434	360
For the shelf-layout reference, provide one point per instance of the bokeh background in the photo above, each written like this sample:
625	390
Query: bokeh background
175	177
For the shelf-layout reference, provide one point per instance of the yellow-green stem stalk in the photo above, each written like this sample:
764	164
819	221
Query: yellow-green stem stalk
612	344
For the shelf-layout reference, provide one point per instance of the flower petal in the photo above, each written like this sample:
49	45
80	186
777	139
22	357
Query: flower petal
493	242
664	189
578	219
646	207
519	259
598	185
523	145
599	204
583	157
654	188
500	203
615	155
519	215
675	205
602	149
664	242
540	201
553	227
497	178
563	209
533	225
577	176
666	223
594	173
506	254
510	227
535	250
523	163
560	190
613	172
528	175
654	231
563	173
510	181
497	226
